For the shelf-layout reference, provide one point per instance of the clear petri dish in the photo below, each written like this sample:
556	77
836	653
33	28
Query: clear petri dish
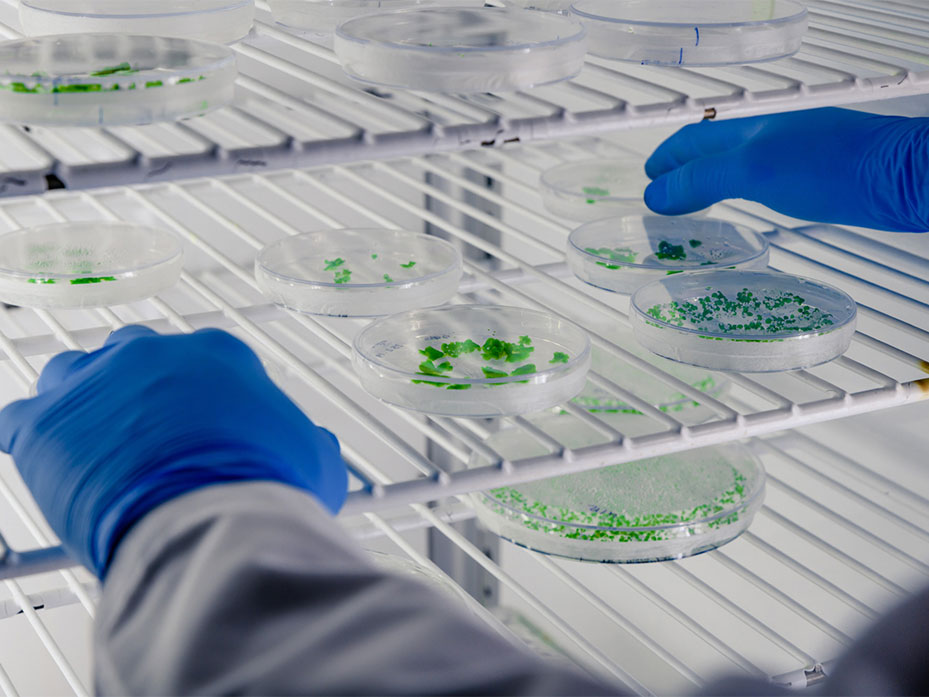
749	321
593	189
323	16
692	32
86	264
659	394
661	508
461	49
112	79
219	21
562	6
358	272
621	254
472	360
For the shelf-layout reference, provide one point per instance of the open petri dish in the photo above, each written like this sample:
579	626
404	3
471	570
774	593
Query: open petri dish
461	49
692	32
657	509
593	189
358	272
659	394
472	360
112	79
624	253
749	321
86	264
219	21
323	16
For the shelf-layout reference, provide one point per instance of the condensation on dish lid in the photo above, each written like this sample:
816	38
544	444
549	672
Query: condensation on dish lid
621	254
749	321
358	272
662	508
461	49
220	21
323	16
472	360
651	390
86	264
692	32
593	189
112	79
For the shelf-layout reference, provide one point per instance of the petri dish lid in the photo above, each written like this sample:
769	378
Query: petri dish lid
323	16
660	508
750	321
623	253
593	189
461	49
472	360
86	264
692	32
109	80
220	21
359	272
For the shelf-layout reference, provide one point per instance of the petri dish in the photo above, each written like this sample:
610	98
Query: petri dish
323	16
593	189
461	49
749	321
472	360
219	21
657	509
623	253
659	394
562	6
692	32
112	79
86	264
358	272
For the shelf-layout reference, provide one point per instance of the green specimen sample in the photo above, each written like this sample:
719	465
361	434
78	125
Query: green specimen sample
387	278
333	264
409	265
97	279
666	250
559	357
695	243
432	353
122	69
594	191
343	276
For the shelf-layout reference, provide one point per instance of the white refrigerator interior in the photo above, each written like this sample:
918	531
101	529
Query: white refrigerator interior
844	531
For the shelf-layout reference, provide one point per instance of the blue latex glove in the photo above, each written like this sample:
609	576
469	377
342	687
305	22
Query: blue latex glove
114	433
823	165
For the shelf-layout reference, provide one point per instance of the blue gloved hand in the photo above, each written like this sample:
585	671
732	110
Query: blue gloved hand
823	165
114	433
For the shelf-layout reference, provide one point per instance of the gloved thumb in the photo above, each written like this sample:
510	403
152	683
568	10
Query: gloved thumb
58	368
13	416
696	185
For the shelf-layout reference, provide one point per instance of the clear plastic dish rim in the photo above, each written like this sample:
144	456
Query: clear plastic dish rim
561	368
407	283
745	503
229	5
578	36
799	14
669	267
223	57
752	337
17	273
544	180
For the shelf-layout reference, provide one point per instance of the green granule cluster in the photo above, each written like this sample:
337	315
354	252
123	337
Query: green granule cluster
122	69
623	254
343	276
409	265
695	243
748	312
332	264
614	526
594	191
666	250
492	349
387	278
47	281
374	256
678	402
97	279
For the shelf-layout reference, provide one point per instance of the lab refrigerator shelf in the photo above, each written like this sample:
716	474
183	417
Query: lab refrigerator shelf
839	541
295	107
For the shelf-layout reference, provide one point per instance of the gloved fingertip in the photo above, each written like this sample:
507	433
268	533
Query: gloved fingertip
128	333
656	196
58	369
332	437
12	418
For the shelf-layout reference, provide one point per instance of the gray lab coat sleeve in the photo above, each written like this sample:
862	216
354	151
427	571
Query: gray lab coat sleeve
252	588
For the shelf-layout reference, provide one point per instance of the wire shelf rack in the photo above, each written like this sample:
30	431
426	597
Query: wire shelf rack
295	108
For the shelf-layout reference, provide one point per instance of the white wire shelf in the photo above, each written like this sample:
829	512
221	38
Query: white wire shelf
295	108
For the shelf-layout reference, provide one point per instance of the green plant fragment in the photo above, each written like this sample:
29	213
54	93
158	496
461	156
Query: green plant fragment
695	243
154	83
333	263
122	69
433	353
559	357
666	250
387	278
96	279
493	372
458	387
527	369
409	265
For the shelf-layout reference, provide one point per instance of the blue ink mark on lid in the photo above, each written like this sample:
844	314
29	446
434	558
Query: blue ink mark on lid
680	58
697	29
